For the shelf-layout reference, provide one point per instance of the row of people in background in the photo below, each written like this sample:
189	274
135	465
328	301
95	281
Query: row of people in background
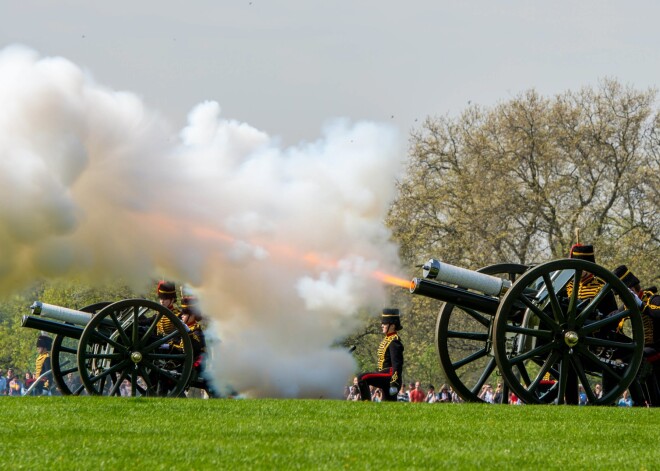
12	384
625	400
414	393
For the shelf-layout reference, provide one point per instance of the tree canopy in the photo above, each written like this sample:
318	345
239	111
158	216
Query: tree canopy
514	183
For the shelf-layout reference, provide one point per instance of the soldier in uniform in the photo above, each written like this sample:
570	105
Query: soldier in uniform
191	317
43	364
650	370
166	291
590	285
388	377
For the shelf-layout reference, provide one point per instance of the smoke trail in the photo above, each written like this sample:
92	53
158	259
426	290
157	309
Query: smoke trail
279	242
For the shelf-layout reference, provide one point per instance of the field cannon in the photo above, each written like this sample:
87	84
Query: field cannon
107	344
539	328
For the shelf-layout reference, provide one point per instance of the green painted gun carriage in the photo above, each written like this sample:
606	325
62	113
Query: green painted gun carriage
526	327
117	349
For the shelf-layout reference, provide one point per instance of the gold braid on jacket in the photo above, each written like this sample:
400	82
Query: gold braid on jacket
196	335
165	326
647	320
41	358
586	290
382	350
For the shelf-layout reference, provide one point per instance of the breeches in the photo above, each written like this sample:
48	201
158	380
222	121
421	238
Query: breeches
378	379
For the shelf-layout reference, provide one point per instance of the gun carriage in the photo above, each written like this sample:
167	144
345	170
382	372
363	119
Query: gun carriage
529	326
106	344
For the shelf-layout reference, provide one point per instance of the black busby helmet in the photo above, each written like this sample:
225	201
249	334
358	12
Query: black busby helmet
189	305
44	341
626	276
166	290
391	316
583	252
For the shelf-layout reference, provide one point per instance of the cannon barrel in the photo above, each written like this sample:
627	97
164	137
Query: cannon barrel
59	313
468	279
52	327
64	314
458	296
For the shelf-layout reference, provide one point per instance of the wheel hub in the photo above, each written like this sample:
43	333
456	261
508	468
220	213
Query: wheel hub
571	338
136	357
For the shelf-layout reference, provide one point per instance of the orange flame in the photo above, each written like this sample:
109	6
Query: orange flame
280	250
391	279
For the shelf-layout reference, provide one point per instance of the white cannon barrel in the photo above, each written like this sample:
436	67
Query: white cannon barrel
60	313
468	279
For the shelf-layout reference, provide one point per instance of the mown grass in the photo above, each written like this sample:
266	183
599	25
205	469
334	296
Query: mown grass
82	433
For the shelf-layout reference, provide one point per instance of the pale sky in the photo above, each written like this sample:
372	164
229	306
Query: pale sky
286	67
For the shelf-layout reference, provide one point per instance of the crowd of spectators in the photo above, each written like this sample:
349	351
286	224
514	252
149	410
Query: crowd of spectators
14	384
415	393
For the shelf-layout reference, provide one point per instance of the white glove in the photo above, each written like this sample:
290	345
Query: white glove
393	391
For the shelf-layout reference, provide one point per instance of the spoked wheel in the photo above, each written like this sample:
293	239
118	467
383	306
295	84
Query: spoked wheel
464	341
122	351
564	343
63	358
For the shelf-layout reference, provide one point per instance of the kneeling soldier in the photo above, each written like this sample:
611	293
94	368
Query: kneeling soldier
390	360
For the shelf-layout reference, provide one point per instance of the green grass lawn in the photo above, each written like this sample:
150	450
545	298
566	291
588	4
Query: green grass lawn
71	433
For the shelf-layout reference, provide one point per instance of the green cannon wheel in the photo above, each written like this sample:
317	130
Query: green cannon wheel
63	361
122	351
563	344
464	340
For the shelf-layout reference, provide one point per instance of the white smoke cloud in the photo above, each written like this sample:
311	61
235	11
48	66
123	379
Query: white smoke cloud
281	243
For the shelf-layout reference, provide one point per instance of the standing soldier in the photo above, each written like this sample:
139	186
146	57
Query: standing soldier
166	291
644	391
390	360
43	364
191	317
588	287
650	371
167	296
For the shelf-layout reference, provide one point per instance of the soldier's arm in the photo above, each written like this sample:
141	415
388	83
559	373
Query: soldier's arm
652	306
396	354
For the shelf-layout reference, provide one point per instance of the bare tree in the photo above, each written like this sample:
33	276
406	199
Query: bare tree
515	182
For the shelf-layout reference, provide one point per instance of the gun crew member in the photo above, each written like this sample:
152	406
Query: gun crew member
166	291
390	360
191	317
590	285
43	363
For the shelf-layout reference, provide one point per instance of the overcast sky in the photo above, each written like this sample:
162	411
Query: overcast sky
288	66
